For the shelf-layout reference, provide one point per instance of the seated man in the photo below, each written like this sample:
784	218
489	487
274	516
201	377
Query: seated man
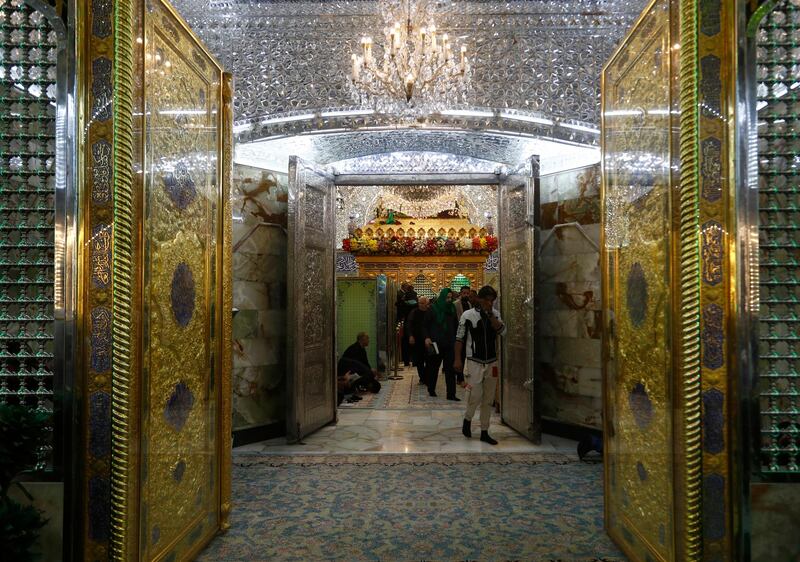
354	359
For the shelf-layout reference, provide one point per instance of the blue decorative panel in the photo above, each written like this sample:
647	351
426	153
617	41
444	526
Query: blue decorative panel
101	89
183	294
713	421
713	337
101	339
710	17
710	87
101	172
180	186
101	18
179	406
711	169
714	507
99	507
492	262
636	293
711	235
346	263
99	424
641	406
101	256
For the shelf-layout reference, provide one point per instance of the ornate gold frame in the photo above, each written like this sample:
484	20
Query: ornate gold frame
706	313
439	270
685	312
116	42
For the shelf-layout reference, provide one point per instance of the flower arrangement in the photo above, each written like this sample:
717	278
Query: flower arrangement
408	246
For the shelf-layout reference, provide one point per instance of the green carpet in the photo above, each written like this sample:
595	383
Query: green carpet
532	507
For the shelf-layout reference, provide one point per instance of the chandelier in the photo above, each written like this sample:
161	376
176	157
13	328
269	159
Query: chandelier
415	72
422	201
423	193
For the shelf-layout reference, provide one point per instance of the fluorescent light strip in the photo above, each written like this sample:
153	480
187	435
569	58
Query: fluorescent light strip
622	113
526	118
242	128
347	113
580	128
289	119
183	112
467	113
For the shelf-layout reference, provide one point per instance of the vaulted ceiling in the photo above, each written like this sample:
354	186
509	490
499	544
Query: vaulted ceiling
536	75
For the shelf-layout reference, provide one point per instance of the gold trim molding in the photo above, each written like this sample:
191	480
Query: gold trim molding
123	346
689	327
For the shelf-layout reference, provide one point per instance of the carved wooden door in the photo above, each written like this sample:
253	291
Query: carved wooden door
516	300
311	384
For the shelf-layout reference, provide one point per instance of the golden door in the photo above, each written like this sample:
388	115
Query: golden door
158	119
643	430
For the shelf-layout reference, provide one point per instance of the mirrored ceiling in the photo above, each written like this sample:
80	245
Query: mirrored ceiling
535	85
395	151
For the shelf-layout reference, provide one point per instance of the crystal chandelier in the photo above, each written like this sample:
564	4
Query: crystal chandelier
421	201
415	72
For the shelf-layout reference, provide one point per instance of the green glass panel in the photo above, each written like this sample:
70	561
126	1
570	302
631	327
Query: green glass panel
458	282
778	56
27	204
357	311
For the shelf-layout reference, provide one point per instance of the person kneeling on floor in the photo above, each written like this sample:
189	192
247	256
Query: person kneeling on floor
360	378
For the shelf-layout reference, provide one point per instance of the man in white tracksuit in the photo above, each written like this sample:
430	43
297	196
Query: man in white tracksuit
478	329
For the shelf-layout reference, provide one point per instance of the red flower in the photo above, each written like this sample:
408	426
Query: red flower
430	246
476	243
491	243
346	244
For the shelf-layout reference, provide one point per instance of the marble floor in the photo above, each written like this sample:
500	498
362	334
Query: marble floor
409	429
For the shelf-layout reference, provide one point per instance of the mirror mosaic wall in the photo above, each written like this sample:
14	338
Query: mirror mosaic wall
35	278
779	236
294	56
27	207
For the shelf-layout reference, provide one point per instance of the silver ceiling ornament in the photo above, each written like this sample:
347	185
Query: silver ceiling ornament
418	162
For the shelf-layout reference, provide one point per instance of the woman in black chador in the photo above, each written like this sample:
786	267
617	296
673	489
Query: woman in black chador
441	328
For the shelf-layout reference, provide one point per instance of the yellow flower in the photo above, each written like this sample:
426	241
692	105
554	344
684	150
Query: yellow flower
483	243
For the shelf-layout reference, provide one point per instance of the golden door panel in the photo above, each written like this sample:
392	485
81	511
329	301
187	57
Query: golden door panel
439	272
180	490
636	136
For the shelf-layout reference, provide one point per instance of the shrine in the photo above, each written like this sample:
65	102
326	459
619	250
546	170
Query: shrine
235	237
